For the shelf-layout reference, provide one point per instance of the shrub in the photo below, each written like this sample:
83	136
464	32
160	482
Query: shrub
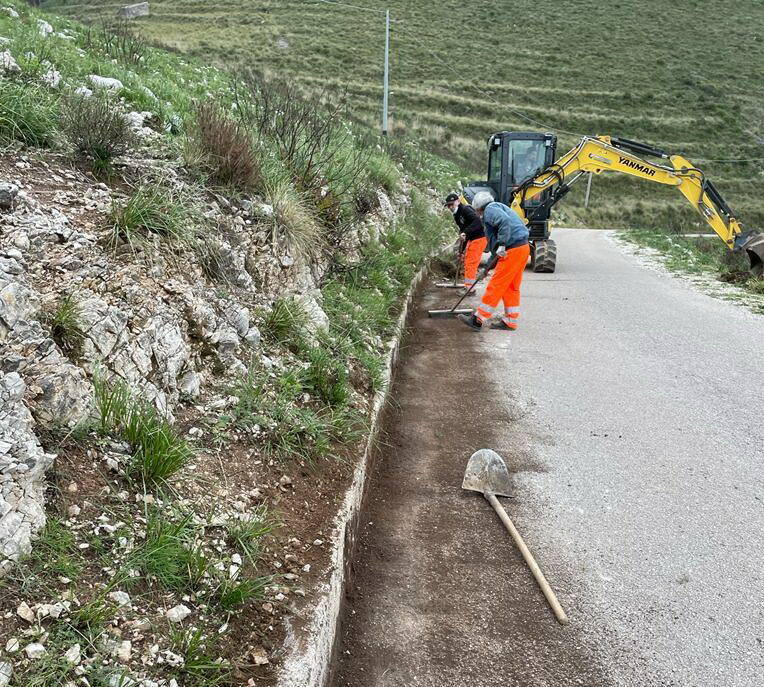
28	113
223	150
96	128
151	210
117	41
311	135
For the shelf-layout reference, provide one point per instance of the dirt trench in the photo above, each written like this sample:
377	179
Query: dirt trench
439	597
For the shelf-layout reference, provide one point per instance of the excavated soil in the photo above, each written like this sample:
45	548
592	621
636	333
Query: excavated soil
440	596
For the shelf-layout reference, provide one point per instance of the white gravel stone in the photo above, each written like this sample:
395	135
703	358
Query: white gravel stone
73	655
120	598
6	672
34	650
178	613
124	651
25	613
8	64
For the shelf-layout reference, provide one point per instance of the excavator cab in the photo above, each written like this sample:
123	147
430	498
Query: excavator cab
515	157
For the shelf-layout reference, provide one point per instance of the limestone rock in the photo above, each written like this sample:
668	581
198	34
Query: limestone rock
73	655
59	393
8	64
8	193
22	468
6	673
178	613
44	28
105	82
34	650
120	598
139	9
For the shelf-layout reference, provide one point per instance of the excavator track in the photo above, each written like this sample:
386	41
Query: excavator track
544	256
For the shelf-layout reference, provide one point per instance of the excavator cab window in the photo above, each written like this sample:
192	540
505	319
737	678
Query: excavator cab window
525	159
494	164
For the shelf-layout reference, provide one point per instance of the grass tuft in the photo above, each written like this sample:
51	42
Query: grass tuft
246	535
28	113
150	211
171	554
294	227
285	324
158	451
65	324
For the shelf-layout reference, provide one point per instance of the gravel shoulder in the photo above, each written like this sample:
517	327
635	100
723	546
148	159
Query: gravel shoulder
629	408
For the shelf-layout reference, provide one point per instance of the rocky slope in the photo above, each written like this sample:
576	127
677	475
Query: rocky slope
179	410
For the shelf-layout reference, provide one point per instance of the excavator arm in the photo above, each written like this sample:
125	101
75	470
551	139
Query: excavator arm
602	154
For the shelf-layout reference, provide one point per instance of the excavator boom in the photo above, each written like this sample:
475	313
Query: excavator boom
597	154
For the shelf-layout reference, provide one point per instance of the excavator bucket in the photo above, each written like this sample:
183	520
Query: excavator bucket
753	245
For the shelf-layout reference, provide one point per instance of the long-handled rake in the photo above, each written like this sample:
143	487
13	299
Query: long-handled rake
453	312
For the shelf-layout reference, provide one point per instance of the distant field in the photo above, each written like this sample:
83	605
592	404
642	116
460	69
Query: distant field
686	76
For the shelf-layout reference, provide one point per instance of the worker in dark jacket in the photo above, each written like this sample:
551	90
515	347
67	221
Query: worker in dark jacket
471	234
507	238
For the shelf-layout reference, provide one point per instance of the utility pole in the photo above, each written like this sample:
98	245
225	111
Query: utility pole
387	73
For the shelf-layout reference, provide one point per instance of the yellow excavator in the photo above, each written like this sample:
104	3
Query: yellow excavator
523	172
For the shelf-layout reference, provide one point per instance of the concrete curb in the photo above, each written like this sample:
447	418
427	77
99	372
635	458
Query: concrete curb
308	659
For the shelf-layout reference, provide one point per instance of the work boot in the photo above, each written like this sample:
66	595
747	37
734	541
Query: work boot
471	321
503	326
466	292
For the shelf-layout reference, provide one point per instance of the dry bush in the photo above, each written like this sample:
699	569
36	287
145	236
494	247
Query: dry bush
223	149
311	136
96	128
116	40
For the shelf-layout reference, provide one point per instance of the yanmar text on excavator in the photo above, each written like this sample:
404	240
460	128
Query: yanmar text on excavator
523	172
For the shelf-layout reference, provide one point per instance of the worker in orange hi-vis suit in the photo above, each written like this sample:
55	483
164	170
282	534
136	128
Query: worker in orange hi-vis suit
507	238
471	232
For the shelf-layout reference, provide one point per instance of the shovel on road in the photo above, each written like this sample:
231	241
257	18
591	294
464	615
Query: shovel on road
487	473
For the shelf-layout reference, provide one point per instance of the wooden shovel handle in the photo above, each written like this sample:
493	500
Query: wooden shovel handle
548	593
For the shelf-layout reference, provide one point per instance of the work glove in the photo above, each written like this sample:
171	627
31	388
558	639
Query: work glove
501	251
483	272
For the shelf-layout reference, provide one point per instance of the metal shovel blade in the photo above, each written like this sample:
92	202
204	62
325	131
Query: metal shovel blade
487	473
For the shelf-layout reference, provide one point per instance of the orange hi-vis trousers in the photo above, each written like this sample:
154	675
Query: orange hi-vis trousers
505	286
472	255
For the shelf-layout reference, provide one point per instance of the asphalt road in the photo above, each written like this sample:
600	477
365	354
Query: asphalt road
629	407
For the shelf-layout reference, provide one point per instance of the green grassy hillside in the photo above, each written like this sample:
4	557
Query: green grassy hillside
685	76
